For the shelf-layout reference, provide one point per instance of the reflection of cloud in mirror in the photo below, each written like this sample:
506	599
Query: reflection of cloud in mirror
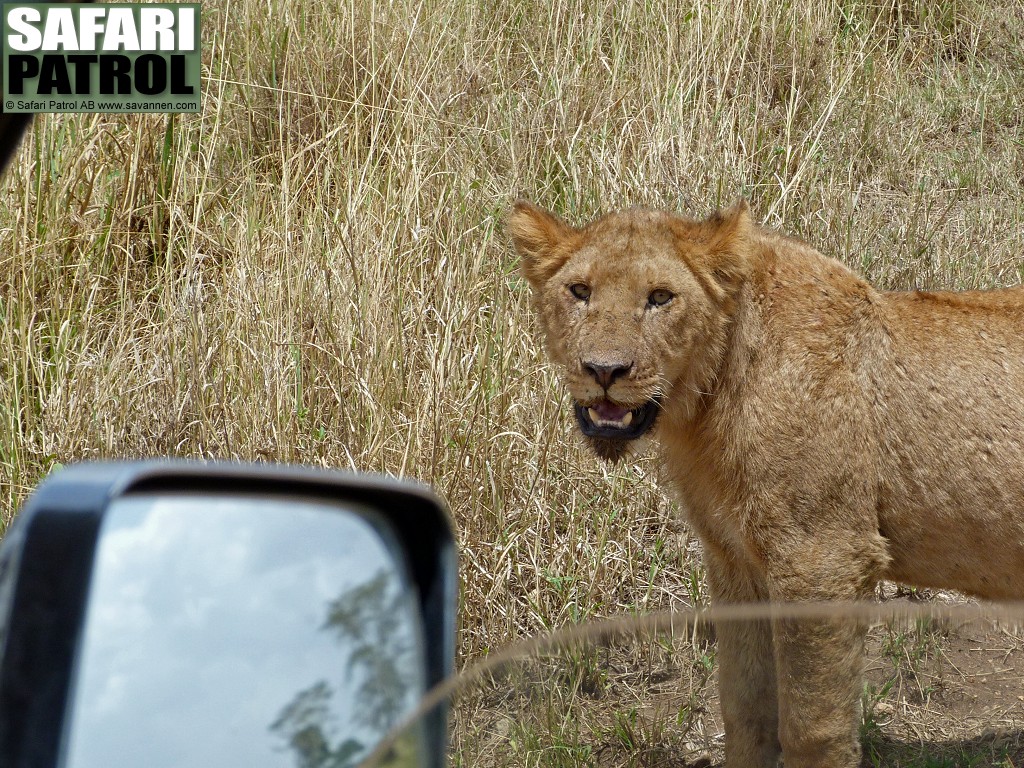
207	617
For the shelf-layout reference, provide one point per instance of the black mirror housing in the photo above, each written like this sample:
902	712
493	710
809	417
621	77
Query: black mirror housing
47	561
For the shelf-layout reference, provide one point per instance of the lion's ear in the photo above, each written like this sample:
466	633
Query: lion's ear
728	236
540	240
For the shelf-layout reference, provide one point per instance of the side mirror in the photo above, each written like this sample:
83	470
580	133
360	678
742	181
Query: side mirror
189	615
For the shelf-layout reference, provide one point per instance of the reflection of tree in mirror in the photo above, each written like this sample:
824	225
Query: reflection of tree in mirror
376	624
372	623
302	723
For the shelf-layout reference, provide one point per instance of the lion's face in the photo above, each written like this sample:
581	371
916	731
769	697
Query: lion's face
634	309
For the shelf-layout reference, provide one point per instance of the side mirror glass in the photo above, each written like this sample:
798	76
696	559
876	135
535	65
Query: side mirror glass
287	621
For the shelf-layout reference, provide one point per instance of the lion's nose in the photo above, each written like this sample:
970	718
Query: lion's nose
605	374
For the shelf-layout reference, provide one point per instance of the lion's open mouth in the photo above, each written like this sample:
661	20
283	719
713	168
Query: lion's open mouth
606	419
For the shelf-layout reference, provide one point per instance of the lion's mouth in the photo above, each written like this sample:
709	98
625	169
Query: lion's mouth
607	419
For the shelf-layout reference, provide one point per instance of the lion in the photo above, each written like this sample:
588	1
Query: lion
821	435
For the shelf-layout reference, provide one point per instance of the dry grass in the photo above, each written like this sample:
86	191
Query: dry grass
313	269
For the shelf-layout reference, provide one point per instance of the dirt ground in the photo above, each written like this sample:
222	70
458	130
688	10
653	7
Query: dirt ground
946	694
938	694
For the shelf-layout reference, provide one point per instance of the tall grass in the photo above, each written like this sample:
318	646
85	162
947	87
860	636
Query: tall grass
313	269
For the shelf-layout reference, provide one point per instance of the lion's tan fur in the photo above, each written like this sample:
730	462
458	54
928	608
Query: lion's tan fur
821	435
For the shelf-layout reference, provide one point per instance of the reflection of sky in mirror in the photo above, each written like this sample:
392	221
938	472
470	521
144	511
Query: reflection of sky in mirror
207	619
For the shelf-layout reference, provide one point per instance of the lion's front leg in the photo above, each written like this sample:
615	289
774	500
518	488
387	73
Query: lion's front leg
820	671
746	677
820	662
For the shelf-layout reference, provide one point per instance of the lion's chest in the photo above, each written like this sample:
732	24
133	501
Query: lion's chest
699	477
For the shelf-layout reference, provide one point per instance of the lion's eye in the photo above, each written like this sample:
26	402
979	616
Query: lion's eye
580	290
660	297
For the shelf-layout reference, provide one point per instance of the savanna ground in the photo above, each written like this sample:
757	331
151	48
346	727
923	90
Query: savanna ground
313	270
